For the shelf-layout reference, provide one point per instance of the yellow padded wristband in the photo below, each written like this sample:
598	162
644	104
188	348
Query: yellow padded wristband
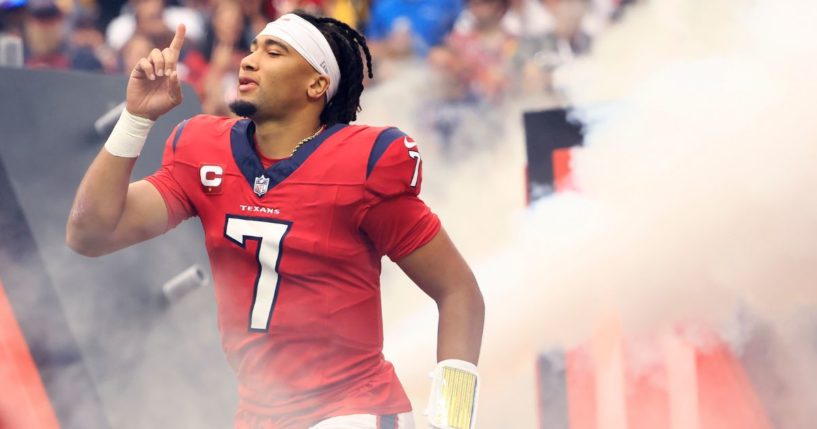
454	394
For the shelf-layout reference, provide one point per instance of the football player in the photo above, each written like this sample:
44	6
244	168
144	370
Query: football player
298	207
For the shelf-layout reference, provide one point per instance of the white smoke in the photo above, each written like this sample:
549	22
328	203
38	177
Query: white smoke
695	202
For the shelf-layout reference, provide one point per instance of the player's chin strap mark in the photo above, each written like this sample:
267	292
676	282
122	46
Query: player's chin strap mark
454	393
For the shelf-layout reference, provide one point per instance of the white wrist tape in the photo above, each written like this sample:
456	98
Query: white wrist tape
128	135
454	393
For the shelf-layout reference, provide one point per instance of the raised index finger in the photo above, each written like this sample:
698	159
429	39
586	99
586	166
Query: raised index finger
178	38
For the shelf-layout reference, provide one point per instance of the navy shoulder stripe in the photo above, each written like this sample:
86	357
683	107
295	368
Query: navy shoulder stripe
178	133
382	143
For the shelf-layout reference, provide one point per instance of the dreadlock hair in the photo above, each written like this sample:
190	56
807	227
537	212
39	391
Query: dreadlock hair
346	44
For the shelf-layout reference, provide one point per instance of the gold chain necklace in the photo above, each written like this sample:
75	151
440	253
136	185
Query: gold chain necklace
298	146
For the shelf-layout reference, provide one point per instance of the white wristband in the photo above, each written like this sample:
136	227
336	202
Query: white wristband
128	135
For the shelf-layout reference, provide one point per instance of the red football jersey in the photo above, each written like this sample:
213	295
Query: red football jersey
295	253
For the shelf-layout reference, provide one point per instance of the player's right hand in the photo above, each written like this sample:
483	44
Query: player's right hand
153	86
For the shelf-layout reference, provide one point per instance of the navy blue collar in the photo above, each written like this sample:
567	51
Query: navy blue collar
241	141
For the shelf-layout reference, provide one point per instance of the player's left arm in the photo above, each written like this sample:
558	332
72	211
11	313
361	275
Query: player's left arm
400	225
441	272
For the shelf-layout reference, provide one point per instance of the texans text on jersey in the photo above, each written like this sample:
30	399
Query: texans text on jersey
257	209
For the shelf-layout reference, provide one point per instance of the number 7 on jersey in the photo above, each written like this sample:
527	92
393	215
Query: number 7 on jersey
270	235
413	154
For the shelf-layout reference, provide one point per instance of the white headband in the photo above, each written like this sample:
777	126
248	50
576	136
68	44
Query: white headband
310	43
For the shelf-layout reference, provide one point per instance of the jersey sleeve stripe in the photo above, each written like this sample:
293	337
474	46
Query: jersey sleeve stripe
178	133
380	145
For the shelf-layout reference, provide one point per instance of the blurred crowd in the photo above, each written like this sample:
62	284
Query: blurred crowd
480	51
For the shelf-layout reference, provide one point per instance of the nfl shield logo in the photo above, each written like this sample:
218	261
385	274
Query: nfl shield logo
261	185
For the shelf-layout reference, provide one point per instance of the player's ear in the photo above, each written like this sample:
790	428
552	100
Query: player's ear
317	87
